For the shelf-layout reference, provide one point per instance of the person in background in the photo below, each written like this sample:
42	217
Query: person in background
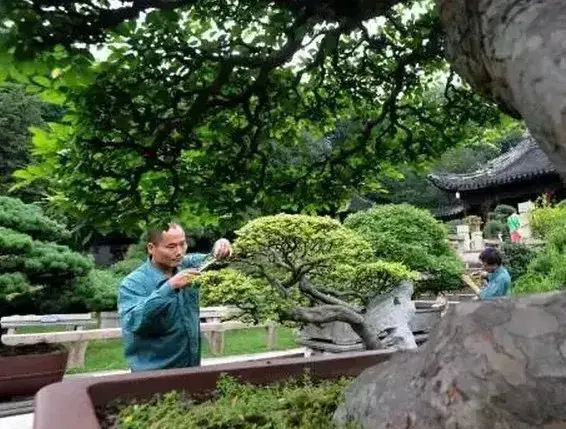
158	303
497	280
514	223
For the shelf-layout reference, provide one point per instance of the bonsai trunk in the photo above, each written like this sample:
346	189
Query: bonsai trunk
513	52
389	313
498	364
336	313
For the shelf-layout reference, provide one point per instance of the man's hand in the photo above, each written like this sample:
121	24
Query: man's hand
183	278
222	249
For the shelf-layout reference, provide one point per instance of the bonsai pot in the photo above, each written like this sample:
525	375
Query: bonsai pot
31	368
72	404
426	317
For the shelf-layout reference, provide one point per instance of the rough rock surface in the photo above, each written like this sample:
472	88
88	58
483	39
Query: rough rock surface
392	312
497	365
514	52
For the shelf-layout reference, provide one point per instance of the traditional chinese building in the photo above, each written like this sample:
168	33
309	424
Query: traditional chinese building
523	173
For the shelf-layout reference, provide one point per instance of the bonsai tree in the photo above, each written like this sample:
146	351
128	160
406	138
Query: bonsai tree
305	269
406	234
473	222
37	274
497	222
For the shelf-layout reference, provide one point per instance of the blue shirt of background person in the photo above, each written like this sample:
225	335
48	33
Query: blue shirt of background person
498	280
158	303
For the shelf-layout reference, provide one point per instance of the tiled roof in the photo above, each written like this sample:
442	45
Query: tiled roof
448	211
525	161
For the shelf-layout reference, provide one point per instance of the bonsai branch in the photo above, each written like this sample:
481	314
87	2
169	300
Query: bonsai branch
341	294
313	292
339	313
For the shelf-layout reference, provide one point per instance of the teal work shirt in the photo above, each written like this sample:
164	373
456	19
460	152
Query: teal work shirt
160	325
498	284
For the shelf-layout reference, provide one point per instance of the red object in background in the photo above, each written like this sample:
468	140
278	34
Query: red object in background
515	237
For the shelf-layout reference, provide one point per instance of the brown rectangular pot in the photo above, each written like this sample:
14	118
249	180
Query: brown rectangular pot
71	403
24	375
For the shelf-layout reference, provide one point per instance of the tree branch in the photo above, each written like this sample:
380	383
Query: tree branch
310	290
337	313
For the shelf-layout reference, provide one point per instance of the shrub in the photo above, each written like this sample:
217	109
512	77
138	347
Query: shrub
126	266
497	222
99	290
381	276
493	228
402	233
36	275
546	218
503	211
29	219
517	257
232	287
285	248
547	270
290	404
532	283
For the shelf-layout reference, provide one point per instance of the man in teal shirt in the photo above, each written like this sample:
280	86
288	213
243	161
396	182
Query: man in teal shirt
158	303
498	280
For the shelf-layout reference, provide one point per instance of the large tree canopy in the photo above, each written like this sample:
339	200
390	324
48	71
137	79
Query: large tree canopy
221	111
18	112
497	46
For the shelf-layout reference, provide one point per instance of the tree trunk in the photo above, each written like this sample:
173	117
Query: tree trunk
336	313
514	52
498	364
368	335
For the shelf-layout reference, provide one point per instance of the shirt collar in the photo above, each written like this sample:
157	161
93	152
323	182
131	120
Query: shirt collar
155	270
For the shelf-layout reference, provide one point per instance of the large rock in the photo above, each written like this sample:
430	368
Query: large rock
499	364
392	312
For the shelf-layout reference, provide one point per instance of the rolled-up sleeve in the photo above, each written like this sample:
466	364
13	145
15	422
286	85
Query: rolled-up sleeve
193	260
137	309
494	289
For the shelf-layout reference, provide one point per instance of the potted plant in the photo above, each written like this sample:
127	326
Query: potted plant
94	402
38	275
313	272
474	222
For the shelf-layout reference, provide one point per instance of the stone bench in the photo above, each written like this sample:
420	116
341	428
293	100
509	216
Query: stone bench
69	321
78	340
109	319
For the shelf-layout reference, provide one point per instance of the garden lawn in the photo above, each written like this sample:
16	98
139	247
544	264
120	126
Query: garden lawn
108	355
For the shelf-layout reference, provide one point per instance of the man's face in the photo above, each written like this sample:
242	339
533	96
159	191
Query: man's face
489	268
169	251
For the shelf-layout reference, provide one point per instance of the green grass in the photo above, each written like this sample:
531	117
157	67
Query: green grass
107	355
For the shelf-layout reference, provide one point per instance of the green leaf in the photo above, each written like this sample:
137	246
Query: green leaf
43	81
53	96
17	75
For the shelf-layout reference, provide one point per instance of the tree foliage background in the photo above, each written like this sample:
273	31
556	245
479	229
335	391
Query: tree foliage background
18	112
220	111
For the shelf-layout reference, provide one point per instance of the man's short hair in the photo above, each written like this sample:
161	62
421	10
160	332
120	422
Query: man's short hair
154	233
491	256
